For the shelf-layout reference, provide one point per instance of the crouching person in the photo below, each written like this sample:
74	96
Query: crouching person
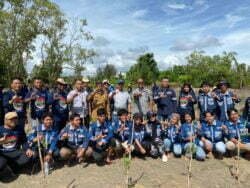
171	137
212	136
188	136
74	139
47	136
154	132
101	134
140	145
10	145
122	130
237	134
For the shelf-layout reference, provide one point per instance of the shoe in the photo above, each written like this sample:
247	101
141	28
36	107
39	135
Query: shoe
164	158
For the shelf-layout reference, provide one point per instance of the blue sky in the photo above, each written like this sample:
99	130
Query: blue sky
124	29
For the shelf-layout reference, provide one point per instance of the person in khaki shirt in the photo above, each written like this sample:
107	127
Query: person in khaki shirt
98	99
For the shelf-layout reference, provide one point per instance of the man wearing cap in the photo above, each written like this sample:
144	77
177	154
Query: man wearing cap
142	98
78	98
60	108
98	99
226	100
10	144
207	100
40	100
166	101
14	101
121	99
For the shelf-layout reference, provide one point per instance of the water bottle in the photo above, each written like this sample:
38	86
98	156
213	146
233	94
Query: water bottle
46	168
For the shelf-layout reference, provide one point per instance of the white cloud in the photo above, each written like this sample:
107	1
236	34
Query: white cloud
232	20
177	6
139	13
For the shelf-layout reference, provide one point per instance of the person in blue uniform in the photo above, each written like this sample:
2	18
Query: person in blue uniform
171	137
48	138
237	134
14	101
207	100
101	133
189	139
13	150
226	100
60	108
246	113
165	99
74	139
212	135
39	99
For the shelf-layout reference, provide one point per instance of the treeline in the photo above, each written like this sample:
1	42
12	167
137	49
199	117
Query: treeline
199	67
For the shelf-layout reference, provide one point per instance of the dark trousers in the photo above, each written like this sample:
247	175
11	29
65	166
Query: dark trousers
3	163
17	157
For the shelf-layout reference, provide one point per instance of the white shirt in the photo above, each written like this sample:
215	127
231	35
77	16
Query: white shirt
121	99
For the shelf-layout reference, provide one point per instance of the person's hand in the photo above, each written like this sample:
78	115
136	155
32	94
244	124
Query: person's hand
29	153
224	127
214	95
3	139
65	136
56	97
48	157
40	137
75	94
100	143
162	95
33	96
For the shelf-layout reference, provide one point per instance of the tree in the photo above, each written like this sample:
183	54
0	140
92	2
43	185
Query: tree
20	23
77	54
145	68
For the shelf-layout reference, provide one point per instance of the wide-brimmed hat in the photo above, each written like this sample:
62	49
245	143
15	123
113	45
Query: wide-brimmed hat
86	80
61	81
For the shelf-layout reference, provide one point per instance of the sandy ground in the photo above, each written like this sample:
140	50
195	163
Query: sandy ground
212	173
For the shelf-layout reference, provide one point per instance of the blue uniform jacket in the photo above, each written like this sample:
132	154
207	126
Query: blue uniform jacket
213	132
77	137
49	140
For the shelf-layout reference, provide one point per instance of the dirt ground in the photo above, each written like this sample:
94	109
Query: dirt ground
212	173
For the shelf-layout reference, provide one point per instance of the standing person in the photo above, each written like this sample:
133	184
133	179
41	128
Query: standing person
78	100
98	99
39	99
246	113
165	98
187	100
142	99
89	90
109	88
60	108
226	100
121	99
14	101
207	100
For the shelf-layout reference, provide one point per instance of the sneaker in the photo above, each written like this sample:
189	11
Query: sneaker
164	158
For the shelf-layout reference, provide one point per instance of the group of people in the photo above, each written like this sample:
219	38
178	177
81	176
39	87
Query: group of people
100	125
